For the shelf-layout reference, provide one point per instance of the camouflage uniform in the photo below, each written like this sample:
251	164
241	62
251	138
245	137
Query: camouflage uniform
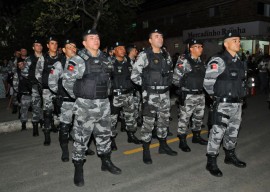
25	92
36	93
42	71
91	115
193	100
153	104
225	83
227	129
65	102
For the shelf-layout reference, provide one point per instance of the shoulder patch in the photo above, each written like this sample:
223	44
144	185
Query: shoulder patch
180	65
214	66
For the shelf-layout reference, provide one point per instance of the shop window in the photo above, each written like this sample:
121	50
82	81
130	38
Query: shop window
214	11
263	9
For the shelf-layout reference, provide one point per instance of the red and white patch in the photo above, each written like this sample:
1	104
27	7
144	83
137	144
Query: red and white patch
51	72
71	68
214	66
180	65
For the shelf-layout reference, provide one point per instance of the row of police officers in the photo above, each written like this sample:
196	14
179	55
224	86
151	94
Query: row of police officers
81	83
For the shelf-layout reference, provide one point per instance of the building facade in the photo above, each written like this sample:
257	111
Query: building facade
208	20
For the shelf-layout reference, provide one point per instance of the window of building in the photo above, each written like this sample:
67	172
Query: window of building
214	11
145	24
263	9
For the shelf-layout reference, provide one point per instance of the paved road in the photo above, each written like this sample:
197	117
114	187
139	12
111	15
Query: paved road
27	166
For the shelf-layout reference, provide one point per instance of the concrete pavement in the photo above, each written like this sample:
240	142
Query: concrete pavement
28	166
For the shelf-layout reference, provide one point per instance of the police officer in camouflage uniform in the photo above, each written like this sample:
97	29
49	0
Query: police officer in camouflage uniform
63	98
31	63
188	76
225	82
122	92
22	86
153	71
42	72
87	79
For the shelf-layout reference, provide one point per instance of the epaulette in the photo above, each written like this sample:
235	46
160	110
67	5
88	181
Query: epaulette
83	55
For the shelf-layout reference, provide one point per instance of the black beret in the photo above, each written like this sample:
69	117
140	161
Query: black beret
131	46
51	38
230	34
191	42
155	31
90	32
68	41
37	40
117	44
110	48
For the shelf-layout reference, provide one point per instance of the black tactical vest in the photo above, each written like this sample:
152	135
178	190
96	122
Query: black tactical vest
48	63
159	69
25	86
231	83
121	75
95	80
194	79
32	68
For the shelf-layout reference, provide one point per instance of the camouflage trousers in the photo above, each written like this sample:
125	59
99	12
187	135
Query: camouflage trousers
66	112
47	97
123	102
155	105
137	103
226	127
26	102
36	104
193	106
91	116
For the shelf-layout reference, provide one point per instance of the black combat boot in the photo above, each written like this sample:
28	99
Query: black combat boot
35	129
164	148
113	144
197	138
14	109
132	138
107	164
168	132
231	158
146	153
183	143
23	126
47	140
78	175
63	139
212	165
41	123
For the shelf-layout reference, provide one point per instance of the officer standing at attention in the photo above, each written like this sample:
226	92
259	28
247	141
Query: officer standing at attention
66	101
42	72
31	63
87	80
188	76
153	71
122	92
225	83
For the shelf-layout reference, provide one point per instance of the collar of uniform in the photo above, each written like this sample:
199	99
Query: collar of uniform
234	59
90	54
121	62
197	60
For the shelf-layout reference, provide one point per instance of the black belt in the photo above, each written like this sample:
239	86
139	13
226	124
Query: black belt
69	99
193	92
229	100
120	92
157	91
